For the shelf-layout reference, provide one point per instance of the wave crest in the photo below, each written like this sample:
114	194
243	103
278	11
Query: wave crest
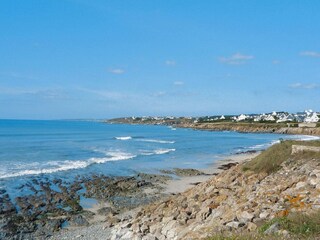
124	138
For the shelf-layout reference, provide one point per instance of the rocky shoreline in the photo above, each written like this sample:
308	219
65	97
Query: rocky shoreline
52	205
223	199
233	202
228	126
251	128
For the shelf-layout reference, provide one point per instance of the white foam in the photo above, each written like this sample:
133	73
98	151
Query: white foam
67	165
307	137
124	138
164	151
71	165
157	151
113	156
155	141
263	146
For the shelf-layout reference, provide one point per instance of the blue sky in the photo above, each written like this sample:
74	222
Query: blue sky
102	59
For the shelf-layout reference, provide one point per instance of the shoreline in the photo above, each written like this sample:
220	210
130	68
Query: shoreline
182	184
231	126
141	191
170	188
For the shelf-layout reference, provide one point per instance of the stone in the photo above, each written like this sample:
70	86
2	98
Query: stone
245	216
283	233
274	228
233	225
78	220
300	185
251	227
264	215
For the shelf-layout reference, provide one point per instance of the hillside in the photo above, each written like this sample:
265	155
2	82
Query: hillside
251	199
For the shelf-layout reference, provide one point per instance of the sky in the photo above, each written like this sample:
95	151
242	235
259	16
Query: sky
62	59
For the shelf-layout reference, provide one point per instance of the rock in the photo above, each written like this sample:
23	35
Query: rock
227	166
233	225
53	225
300	185
283	233
274	228
264	215
251	227
245	217
204	213
187	172
78	220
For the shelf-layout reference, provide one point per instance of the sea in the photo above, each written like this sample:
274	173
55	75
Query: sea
66	149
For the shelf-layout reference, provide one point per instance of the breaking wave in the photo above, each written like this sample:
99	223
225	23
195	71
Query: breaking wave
123	138
155	141
157	152
57	166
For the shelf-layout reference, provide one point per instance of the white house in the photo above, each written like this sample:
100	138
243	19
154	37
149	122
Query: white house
222	117
312	118
286	118
241	117
269	118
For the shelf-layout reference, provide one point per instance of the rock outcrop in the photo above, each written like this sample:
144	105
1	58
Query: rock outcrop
233	200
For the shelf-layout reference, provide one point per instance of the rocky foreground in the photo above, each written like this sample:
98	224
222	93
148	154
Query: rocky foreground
234	200
254	197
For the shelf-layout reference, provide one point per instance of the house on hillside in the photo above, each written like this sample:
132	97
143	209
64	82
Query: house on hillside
312	118
241	117
285	118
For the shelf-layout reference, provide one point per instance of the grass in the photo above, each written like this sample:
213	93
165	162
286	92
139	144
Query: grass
248	236
298	224
270	160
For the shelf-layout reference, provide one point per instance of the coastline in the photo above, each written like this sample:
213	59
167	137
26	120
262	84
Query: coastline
182	184
99	227
228	126
56	206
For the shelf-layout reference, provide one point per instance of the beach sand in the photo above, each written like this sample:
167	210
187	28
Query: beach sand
182	184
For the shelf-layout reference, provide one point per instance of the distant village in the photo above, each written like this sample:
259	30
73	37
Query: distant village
307	117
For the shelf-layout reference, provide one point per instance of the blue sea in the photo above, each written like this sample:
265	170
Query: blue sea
65	149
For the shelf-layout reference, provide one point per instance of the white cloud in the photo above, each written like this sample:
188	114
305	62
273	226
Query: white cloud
116	70
170	62
310	54
236	59
304	86
178	83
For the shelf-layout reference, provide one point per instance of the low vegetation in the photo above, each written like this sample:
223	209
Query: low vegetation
298	224
270	160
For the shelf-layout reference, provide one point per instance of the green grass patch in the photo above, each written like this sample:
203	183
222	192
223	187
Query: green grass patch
298	224
270	160
244	236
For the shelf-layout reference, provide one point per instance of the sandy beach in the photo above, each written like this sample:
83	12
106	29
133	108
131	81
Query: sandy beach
184	183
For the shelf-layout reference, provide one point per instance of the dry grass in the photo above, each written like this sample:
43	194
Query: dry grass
270	160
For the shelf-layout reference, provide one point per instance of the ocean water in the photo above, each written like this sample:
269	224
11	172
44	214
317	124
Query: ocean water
65	149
